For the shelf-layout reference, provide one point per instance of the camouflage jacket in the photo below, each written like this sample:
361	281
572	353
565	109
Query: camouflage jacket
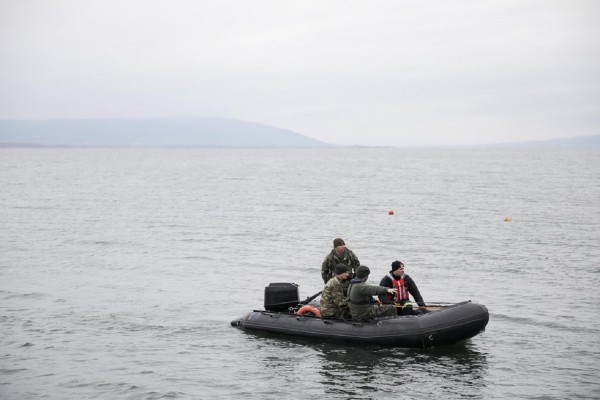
333	301
332	259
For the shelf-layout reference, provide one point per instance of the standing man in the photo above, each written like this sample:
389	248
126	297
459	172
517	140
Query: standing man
333	300
339	255
403	285
360	298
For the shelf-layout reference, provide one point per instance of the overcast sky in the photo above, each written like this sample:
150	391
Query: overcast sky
382	72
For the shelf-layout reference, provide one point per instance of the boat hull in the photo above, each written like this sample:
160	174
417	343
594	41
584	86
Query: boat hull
445	326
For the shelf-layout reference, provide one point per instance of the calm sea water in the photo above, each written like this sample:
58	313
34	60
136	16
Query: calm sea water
120	270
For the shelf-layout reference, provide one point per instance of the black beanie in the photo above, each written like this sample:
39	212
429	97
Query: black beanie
338	242
340	269
362	271
396	264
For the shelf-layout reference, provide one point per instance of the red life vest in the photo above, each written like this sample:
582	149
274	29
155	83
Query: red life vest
401	290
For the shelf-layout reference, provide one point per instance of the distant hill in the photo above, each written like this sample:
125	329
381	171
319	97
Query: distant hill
159	132
192	132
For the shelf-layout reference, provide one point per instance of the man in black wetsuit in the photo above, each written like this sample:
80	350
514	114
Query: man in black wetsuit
404	285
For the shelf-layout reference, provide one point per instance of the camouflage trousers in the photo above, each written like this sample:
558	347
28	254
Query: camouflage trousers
383	310
339	313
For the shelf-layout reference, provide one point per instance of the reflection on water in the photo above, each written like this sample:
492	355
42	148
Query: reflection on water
459	369
348	370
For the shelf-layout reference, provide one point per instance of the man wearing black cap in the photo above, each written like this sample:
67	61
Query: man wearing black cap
360	297
403	286
334	303
339	255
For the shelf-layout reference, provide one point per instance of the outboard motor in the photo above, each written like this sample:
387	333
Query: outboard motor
281	296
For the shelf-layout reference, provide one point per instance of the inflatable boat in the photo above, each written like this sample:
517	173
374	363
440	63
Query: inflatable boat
432	326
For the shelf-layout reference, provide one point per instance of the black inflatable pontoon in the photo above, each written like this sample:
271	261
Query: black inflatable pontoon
440	325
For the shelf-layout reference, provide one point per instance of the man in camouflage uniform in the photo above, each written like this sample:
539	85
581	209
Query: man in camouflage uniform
360	297
339	255
334	303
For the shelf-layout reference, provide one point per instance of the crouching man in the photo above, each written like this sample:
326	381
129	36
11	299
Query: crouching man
334	303
360	297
